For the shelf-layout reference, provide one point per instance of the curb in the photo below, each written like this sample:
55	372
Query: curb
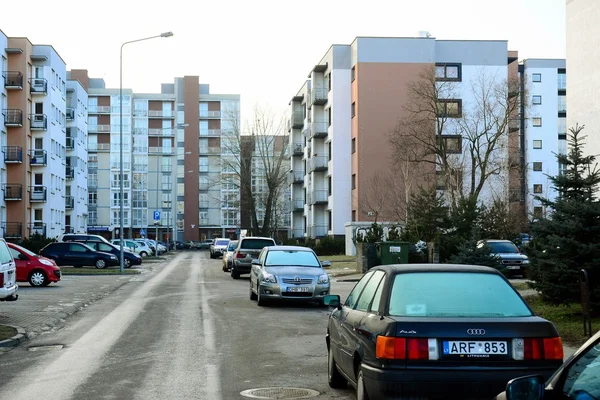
15	340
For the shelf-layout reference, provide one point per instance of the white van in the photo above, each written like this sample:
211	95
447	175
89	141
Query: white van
8	274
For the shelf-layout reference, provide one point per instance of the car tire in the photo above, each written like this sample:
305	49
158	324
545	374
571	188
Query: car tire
252	294
334	378
234	273
143	254
100	263
38	278
361	391
261	301
126	262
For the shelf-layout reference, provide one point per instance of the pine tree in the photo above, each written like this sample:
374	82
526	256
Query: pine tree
568	240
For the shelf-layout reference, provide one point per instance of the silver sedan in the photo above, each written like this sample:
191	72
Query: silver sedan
288	273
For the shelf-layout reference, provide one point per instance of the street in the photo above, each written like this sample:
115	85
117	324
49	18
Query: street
186	330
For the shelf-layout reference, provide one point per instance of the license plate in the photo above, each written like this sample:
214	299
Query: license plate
300	289
475	348
514	267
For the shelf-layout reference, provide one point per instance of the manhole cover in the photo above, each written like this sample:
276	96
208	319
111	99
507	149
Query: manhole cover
280	393
45	348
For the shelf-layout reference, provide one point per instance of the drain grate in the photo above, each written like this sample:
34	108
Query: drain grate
46	348
280	393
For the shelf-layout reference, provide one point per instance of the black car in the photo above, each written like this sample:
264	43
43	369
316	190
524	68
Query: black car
578	378
436	331
129	258
78	255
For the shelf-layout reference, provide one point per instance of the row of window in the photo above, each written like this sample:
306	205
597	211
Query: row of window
561	78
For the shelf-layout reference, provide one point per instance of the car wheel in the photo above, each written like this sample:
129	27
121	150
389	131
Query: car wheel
143	254
100	263
361	392
260	300
335	379
234	273
38	278
126	262
252	294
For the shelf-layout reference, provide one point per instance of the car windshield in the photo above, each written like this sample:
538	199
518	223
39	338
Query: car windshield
26	251
297	258
454	294
503	247
222	242
256	244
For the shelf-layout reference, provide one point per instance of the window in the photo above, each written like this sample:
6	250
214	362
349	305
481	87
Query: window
537	100
538	212
353	74
562	126
449	108
352	298
562	80
448	72
562	103
353	181
582	376
329	116
536	121
353	110
536	77
537	188
451	144
537	144
368	293
537	166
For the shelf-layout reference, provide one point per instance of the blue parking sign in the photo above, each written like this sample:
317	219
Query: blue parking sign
157	215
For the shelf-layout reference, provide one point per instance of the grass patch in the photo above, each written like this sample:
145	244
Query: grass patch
567	319
520	285
340	261
6	332
96	271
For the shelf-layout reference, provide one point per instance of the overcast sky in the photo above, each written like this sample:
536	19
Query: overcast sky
262	49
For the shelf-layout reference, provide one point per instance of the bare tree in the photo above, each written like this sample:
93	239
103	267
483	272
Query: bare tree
257	159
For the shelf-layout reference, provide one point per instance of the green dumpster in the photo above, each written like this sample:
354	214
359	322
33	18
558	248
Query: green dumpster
392	252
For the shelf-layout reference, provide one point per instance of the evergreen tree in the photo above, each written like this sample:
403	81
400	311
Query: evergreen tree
568	240
428	216
471	252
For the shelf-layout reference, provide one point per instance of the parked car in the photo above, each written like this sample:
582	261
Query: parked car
8	274
218	247
205	244
578	378
33	268
227	256
288	273
129	257
509	254
247	249
78	255
148	243
436	330
68	237
140	248
179	245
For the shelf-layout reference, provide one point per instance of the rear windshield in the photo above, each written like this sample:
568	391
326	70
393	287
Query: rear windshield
256	244
454	294
222	242
292	258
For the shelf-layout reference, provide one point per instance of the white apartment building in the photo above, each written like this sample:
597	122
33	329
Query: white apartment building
545	123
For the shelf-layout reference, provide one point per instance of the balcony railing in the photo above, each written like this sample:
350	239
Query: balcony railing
13	154
316	231
98	128
13	80
298	205
38	86
69	202
297	233
161	150
70	143
12	230
297	148
70	113
319	96
38	193
203	221
37	228
296	120
98	109
13	191
69	172
319	196
319	129
318	163
167	132
13	117
210	114
39	122
161	114
296	176
210	132
203	204
38	157
71	229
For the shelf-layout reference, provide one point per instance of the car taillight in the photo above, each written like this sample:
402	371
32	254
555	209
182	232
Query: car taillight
394	348
240	255
537	348
2	279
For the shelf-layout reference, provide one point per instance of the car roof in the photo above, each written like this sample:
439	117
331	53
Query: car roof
406	268
290	248
497	241
258	237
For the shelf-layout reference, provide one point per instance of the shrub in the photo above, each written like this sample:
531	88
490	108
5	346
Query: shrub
35	242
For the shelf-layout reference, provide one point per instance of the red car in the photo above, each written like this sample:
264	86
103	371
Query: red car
32	268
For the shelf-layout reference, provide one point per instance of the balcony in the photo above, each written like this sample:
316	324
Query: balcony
297	205
70	143
38	86
12	230
13	80
203	222
13	154
203	204
13	191
69	202
319	96
296	120
37	228
13	117
39	122
70	113
296	176
318	164
210	114
38	157
163	132
98	109
161	114
211	151
319	129
161	150
514	125
98	128
316	231
319	196
69	172
297	149
38	194
297	233
210	132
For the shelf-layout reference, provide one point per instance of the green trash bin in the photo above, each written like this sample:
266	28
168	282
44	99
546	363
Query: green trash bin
392	252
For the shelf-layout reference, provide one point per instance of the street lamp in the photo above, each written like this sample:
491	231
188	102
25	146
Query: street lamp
164	35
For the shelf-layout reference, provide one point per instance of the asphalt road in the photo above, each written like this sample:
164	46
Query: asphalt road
184	330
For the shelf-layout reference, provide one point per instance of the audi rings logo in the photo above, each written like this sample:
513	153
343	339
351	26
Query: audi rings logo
477	332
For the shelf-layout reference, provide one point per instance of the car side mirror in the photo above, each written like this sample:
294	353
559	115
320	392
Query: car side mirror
256	261
332	300
526	388
326	264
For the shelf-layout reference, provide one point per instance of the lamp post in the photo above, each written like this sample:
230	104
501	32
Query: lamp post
121	210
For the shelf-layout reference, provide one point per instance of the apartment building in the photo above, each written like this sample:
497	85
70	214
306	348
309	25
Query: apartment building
172	176
355	95
545	128
39	175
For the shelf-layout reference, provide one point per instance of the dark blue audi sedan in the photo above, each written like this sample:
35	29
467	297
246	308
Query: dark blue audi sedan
436	331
